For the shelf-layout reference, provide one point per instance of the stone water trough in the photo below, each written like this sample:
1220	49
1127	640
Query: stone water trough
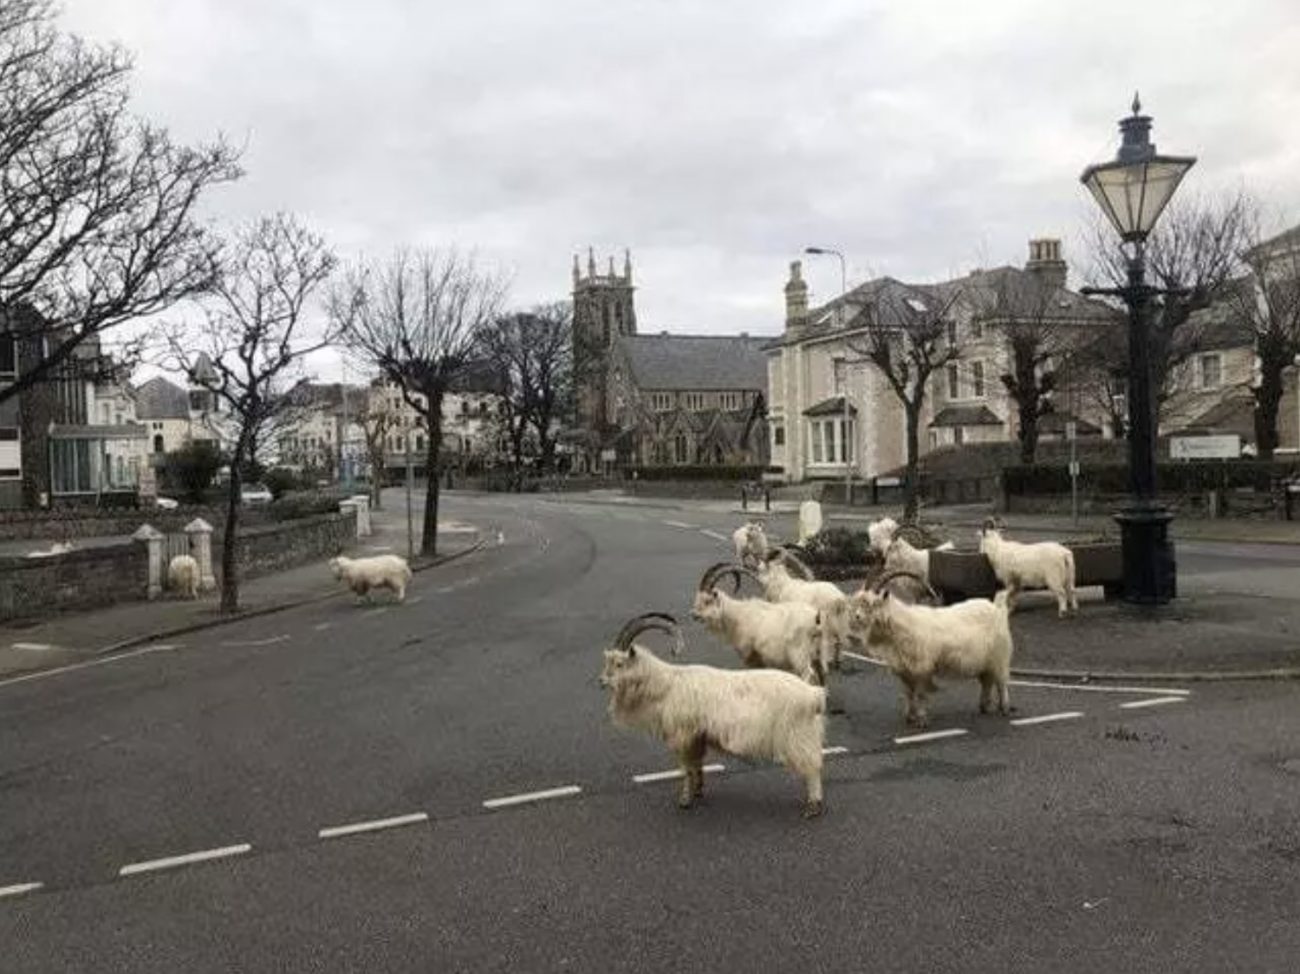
959	575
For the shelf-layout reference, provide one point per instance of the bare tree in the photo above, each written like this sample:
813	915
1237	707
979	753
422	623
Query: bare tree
1265	307
417	318
97	208
1194	253
376	421
905	336
252	341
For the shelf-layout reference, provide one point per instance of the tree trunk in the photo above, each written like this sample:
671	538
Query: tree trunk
1268	398
1028	431
432	474
911	487
230	541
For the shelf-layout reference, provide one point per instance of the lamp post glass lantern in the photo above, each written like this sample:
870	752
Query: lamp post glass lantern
1132	192
841	320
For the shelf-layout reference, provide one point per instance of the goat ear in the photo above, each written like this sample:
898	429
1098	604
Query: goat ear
631	651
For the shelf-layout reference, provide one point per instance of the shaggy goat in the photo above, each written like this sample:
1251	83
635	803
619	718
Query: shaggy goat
880	533
750	542
756	715
904	560
780	636
183	576
920	642
381	571
1017	566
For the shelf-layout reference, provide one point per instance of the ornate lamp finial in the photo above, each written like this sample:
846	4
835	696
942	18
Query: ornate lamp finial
1137	104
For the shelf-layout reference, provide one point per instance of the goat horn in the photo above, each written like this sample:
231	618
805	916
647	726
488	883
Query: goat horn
880	585
660	621
802	568
990	524
711	575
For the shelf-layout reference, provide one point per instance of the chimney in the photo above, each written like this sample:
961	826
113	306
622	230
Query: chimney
796	298
1045	262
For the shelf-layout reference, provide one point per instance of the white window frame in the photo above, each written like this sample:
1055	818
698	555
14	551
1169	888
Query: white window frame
830	438
1201	361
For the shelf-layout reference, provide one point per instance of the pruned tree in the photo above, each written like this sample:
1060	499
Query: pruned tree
254	334
1265	307
1193	255
376	421
97	208
905	335
417	318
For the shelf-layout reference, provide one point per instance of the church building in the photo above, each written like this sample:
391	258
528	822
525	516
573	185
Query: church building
653	400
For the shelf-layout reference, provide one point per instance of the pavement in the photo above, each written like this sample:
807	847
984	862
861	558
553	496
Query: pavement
33	645
437	786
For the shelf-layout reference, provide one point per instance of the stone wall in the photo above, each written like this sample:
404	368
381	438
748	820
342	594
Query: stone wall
62	524
268	548
81	579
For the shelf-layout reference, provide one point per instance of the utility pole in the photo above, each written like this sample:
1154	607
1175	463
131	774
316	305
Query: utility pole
410	528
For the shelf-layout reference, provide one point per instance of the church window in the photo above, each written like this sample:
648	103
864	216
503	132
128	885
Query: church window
661	402
680	454
778	435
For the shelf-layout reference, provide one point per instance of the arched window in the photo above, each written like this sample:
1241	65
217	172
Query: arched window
158	443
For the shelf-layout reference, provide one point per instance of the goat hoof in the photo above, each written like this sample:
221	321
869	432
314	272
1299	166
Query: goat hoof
686	804
814	809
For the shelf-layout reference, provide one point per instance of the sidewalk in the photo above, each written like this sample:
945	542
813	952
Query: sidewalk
39	644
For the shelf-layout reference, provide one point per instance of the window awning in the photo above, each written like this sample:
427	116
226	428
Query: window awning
830	407
966	416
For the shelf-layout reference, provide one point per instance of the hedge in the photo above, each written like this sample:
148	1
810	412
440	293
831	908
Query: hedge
1185	477
699	472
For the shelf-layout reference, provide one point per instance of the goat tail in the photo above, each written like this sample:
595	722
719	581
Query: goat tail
1002	599
1069	568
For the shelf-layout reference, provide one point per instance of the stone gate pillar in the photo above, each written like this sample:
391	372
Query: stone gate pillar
200	535
152	539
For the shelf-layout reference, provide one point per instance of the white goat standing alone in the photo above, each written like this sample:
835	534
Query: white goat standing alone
750	543
760	715
183	576
920	642
783	636
1044	564
380	571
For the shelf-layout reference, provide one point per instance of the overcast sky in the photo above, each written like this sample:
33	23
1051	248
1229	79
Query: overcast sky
714	138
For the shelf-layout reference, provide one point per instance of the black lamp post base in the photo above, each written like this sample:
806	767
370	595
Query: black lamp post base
1150	572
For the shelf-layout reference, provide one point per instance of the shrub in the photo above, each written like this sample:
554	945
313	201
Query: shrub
305	503
698	472
1183	477
192	468
838	546
279	481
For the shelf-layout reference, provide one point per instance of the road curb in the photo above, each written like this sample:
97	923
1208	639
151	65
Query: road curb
192	627
1148	676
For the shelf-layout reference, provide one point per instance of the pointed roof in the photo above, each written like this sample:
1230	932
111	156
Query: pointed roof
714	362
160	398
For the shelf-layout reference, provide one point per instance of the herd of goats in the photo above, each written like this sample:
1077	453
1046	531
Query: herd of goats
788	640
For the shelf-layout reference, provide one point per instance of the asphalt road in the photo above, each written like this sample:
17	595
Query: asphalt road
1155	837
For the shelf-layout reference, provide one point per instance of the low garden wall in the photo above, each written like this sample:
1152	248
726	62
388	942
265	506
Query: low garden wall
268	548
80	579
70	523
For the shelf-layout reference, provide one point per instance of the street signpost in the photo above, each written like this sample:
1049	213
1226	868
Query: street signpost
1072	434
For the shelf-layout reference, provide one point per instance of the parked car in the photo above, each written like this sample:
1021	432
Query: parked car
166	503
254	494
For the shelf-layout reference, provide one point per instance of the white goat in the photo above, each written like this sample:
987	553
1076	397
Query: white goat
903	559
920	642
58	548
183	576
380	571
781	586
881	533
757	715
781	636
1017	566
750	542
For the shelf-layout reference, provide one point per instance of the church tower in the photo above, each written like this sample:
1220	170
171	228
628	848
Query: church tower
603	311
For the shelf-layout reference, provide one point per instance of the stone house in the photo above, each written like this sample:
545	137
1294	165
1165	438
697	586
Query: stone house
176	416
833	414
660	399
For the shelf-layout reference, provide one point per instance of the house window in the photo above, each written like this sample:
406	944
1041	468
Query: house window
778	435
977	379
952	334
695	401
831	440
8	357
661	402
838	371
419	441
976	330
10	454
731	400
954	382
157	443
1209	370
680	454
482	409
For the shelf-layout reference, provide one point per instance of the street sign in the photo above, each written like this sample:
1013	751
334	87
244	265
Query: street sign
1071	430
1074	468
1225	447
888	481
608	456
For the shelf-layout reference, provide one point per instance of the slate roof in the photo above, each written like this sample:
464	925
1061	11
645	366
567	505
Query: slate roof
966	416
1055	423
718	362
160	398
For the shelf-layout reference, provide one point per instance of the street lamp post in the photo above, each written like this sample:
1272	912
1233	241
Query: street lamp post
1132	191
839	313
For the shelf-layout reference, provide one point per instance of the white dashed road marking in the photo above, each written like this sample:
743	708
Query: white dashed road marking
1152	702
931	736
645	779
1047	718
679	524
322	626
717	536
373	826
269	641
829	751
34	647
207	855
1049	685
19	889
88	664
533	796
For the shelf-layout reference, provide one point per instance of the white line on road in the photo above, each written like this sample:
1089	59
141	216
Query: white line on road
379	547
931	736
837	749
716	535
1049	685
19	889
322	626
37	647
1046	718
679	524
1151	702
533	796
143	651
269	641
415	600
335	831
153	865
645	779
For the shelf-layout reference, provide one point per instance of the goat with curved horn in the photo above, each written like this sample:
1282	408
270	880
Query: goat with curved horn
659	621
888	577
709	579
790	558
